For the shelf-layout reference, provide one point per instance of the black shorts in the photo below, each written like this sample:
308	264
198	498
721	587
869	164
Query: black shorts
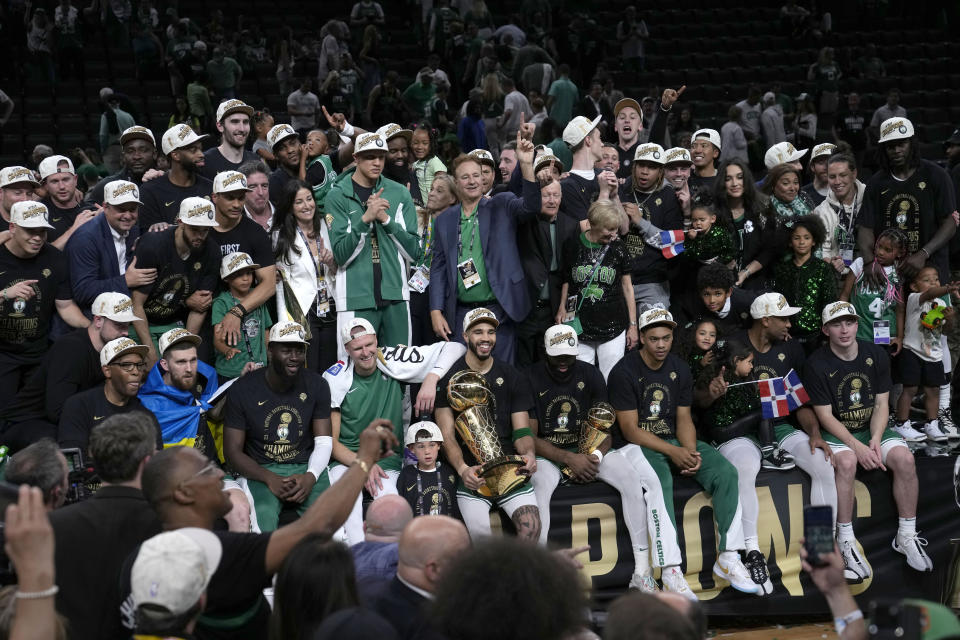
915	371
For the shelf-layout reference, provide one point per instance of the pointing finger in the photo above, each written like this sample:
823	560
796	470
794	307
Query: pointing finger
681	90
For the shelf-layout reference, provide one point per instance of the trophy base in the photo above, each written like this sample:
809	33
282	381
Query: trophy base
502	476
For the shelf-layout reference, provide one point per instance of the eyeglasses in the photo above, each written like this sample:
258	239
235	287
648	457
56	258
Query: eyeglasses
129	367
210	469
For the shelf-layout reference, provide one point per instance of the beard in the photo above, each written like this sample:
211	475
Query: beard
397	172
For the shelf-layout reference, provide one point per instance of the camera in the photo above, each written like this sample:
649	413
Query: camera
82	480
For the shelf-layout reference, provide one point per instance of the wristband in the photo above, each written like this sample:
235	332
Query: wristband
348	130
841	623
597	454
924	249
242	308
37	595
363	465
521	433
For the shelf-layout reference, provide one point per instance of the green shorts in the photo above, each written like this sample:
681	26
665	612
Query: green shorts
268	506
522	495
888	440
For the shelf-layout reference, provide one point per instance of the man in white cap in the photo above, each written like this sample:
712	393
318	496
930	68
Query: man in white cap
162	196
582	186
677	166
399	158
169	580
370	383
652	392
17	184
67	210
784	153
565	389
101	253
70	365
488	169
705	148
139	161
277	430
849	383
512	400
819	187
34	281
188	266
374	236
233	123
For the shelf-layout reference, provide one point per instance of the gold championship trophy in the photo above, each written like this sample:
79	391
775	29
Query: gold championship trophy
600	418
470	397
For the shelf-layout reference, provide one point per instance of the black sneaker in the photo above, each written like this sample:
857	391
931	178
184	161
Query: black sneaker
778	460
756	564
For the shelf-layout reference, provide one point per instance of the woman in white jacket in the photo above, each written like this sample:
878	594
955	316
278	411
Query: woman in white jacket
306	271
839	211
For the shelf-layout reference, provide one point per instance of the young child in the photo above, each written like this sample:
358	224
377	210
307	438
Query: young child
735	361
874	290
429	486
426	163
719	300
921	361
236	271
700	347
708	241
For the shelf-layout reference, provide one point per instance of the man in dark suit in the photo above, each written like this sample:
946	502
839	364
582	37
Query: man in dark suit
427	546
101	253
476	262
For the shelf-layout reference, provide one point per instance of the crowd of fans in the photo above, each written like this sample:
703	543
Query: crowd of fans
258	318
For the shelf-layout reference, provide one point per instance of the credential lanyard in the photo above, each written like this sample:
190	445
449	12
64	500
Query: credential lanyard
420	488
315	259
473	231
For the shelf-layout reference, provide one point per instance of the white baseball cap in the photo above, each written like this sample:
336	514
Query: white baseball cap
391	130
370	143
483	156
116	348
174	568
280	132
561	340
545	157
136	132
677	155
229	107
655	316
895	129
15	174
174	336
839	309
120	192
347	333
178	137
115	306
480	314
823	149
710	134
234	262
51	165
197	212
227	181
771	304
780	153
578	129
650	152
30	215
288	331
411	436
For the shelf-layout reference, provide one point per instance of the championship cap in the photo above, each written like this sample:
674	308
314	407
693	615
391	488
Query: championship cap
578	129
51	165
677	155
15	174
349	328
175	336
545	157
424	425
30	215
288	331
483	156
234	262
895	129
197	212
136	132
229	107
119	192
280	132
650	152
953	139
115	306
227	181
116	348
174	568
823	149
623	103
710	135
391	130
561	340
655	316
836	310
771	304
178	137
370	142
780	153
478	315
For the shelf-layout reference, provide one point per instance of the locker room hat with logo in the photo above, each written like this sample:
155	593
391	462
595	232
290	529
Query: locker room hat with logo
116	348
114	306
279	133
425	425
771	304
546	157
578	129
178	137
230	107
227	181
136	132
895	129
174	568
483	156
175	336
781	153
391	130
288	331
197	212
370	143
350	333
10	176
655	317
650	152
823	149
677	155
235	262
837	310
478	315
561	340
121	192
30	215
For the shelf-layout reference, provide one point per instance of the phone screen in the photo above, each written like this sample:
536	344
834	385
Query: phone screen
818	532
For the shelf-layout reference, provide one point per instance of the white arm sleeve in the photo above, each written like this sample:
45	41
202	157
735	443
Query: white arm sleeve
322	448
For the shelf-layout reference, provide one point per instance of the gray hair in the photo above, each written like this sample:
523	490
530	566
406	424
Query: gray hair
120	443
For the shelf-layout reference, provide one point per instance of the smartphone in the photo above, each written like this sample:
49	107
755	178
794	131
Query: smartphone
818	533
74	458
9	494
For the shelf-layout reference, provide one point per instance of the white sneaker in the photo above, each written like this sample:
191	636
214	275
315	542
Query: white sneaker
908	433
945	418
643	582
735	573
674	582
856	569
912	547
756	564
935	432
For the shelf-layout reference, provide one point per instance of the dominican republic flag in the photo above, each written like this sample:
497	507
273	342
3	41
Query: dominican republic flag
795	391
671	243
780	396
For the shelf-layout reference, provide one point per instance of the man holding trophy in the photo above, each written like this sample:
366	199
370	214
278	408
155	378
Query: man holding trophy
484	403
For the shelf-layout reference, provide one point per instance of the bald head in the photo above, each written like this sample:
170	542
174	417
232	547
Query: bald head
386	518
427	545
692	611
163	472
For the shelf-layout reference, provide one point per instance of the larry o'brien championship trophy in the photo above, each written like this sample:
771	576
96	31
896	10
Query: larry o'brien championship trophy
600	418
470	397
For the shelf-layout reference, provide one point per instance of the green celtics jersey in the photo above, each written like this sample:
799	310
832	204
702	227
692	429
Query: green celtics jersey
872	304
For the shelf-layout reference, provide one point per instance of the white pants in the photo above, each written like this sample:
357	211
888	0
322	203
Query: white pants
353	527
603	354
475	509
661	531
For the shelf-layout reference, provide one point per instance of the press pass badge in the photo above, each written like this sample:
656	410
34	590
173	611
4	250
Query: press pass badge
570	309
881	332
323	298
420	279
846	252
468	273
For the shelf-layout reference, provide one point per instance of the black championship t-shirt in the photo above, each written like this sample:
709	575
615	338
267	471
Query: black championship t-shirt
511	394
177	279
626	159
782	356
214	162
430	493
697	185
603	309
654	395
848	387
247	236
24	324
578	194
63	219
647	264
161	199
852	128
279	426
561	406
84	411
